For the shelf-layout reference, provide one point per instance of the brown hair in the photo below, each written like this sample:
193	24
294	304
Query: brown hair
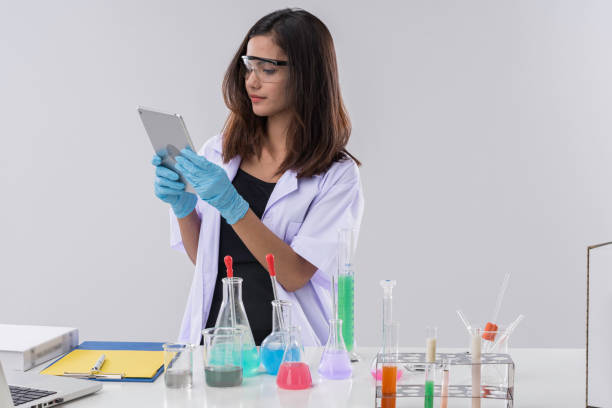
320	128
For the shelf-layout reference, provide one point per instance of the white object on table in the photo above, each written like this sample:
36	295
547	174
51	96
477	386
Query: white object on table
23	347
475	348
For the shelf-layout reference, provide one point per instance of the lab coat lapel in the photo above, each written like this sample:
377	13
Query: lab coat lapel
231	167
287	184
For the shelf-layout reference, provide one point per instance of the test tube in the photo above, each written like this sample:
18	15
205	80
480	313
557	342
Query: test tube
475	350
430	366
445	380
390	362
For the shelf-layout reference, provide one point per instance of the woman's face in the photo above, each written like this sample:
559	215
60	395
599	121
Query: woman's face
267	98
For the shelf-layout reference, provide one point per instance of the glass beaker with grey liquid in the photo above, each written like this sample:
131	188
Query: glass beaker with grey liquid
178	365
223	356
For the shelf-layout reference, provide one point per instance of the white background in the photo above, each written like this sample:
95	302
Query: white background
483	127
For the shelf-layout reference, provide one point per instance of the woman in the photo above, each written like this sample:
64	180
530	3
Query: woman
277	180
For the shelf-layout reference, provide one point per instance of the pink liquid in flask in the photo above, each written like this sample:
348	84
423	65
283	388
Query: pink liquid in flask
294	376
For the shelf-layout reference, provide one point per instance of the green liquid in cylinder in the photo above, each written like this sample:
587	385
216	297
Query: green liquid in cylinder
429	394
346	308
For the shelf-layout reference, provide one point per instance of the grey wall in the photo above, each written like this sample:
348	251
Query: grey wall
483	127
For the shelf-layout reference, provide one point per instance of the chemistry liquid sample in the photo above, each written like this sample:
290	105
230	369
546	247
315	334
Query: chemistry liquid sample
294	376
274	345
225	376
294	372
178	378
346	309
335	362
233	314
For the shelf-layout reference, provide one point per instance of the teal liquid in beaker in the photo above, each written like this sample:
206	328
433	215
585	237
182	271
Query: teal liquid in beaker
346	308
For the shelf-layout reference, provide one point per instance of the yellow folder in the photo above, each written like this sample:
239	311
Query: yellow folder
130	363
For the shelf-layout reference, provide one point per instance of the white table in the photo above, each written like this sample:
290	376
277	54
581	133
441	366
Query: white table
544	378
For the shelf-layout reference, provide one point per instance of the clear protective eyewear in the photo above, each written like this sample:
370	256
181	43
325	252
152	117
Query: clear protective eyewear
266	70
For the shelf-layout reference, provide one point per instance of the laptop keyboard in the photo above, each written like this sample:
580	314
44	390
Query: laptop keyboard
21	395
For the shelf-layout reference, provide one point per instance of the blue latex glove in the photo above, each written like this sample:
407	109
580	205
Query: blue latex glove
212	185
171	191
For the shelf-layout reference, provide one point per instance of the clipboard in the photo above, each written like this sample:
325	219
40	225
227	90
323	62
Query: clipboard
122	346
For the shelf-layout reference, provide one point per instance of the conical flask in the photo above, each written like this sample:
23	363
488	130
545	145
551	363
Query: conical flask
232	314
273	346
335	362
294	372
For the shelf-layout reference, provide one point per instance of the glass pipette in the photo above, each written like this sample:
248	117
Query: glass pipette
270	260
230	274
465	321
491	327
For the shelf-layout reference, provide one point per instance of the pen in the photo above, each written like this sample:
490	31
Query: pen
96	368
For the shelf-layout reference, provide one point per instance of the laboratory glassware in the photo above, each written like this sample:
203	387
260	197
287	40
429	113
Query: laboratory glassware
445	380
294	372
223	356
347	242
389	364
335	363
491	327
273	346
178	365
233	314
430	365
475	352
387	286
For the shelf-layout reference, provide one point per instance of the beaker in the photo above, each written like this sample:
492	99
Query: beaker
273	346
294	372
223	356
232	314
178	365
335	362
347	242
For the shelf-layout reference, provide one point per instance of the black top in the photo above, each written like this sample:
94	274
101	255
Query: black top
256	285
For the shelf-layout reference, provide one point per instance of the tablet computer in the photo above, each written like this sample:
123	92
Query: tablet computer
168	135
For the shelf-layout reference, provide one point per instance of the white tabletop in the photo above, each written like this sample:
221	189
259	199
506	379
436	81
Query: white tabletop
544	378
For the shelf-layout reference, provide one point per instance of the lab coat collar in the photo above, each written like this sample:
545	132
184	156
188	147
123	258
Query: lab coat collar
287	184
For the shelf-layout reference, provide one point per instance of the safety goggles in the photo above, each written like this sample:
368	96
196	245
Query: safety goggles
266	70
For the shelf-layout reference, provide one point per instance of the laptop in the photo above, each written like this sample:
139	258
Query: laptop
19	389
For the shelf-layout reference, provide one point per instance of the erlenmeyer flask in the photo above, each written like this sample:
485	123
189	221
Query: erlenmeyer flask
335	362
294	372
232	314
273	346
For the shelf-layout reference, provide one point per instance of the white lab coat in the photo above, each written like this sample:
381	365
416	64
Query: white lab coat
307	214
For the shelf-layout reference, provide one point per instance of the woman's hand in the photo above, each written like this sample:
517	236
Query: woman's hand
171	191
212	185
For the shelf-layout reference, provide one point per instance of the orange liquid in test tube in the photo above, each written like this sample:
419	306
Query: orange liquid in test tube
389	384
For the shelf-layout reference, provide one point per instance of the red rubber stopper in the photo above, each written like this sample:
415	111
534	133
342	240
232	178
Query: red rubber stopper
490	331
270	259
228	265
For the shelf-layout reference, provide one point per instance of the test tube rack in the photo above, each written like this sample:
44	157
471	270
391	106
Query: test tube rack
411	385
